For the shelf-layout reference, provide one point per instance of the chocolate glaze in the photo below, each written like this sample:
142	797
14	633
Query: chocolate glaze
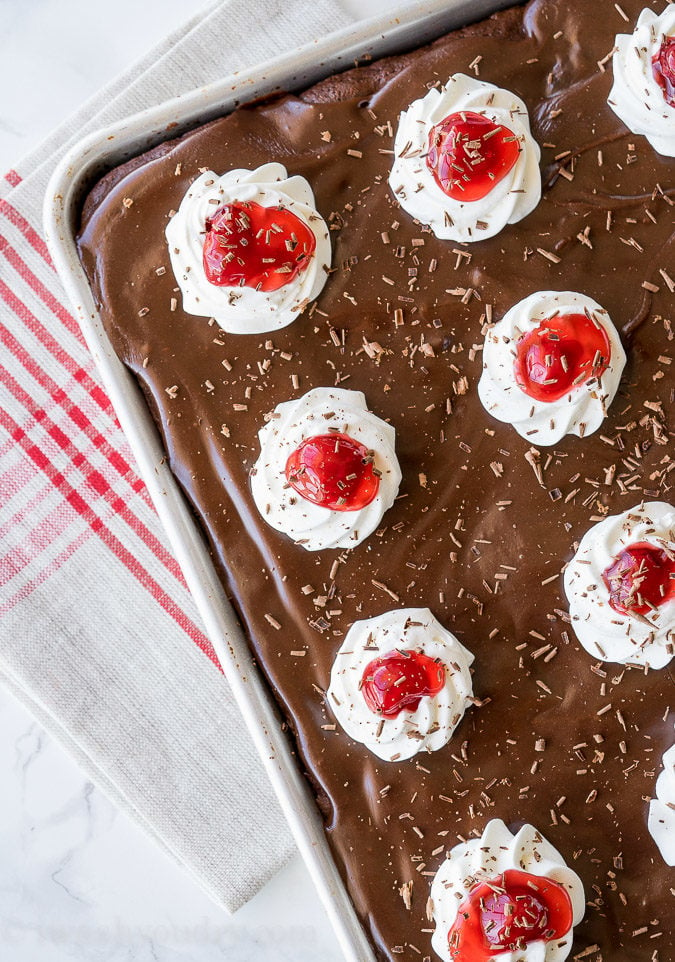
457	528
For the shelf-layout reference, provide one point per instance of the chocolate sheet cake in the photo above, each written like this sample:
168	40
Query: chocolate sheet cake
485	520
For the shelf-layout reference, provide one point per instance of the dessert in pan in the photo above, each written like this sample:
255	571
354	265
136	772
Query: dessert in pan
407	336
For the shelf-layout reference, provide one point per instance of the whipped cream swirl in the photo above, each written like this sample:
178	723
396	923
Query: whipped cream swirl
484	858
319	412
579	412
645	640
636	96
414	186
245	310
431	725
661	822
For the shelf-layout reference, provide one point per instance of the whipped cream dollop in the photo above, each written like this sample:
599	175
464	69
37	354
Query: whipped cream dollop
483	859
645	640
661	821
431	725
636	96
543	422
317	413
238	309
415	187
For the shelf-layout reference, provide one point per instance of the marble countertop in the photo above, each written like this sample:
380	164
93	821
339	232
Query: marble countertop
78	880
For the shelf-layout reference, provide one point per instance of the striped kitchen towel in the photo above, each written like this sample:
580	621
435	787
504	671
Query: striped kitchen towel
100	639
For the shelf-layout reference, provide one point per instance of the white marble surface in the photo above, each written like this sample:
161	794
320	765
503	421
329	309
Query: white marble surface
79	882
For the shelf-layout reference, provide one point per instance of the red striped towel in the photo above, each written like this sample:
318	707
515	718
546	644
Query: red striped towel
100	638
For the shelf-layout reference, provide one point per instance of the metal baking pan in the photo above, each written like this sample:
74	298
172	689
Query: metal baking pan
76	173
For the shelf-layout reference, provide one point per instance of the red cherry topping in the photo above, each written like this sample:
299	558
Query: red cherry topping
334	471
248	245
663	68
506	914
399	680
640	579
469	154
560	354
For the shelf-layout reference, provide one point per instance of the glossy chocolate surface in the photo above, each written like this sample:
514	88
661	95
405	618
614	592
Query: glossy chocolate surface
483	526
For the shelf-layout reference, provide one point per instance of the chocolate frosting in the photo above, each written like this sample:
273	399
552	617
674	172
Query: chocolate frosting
484	522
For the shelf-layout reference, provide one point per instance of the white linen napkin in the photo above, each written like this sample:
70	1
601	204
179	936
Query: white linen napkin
100	639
